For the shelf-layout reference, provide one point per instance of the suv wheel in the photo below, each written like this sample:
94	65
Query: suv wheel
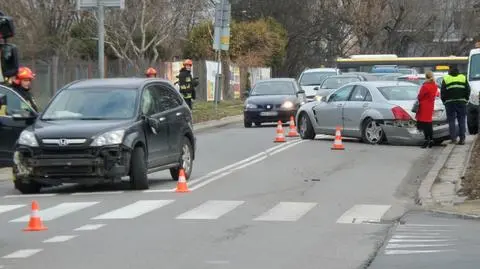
185	162
31	187
138	170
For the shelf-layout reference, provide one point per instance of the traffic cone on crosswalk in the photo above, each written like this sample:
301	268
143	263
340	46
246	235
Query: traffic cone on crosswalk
337	144
293	129
280	137
182	182
35	224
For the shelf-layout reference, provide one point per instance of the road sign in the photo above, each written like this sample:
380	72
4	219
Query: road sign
221	37
89	4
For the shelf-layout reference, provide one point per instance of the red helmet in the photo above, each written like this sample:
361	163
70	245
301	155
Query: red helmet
25	73
188	62
151	72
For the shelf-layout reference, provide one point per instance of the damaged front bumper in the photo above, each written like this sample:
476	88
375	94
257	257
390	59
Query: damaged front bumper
406	133
54	166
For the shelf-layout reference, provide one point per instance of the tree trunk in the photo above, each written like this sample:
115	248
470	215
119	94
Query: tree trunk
227	90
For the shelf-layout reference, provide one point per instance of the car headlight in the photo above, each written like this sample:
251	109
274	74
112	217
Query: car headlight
319	98
27	138
109	138
249	106
288	105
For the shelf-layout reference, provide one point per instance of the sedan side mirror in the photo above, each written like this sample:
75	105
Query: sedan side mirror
330	98
301	92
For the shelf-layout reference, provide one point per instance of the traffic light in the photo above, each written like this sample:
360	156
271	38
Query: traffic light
8	52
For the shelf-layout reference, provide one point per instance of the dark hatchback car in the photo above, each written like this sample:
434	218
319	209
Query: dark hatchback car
100	130
273	100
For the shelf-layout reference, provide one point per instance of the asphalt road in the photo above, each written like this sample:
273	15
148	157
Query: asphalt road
253	204
430	241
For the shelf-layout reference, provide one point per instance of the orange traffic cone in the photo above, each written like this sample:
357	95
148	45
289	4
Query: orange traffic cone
182	182
337	144
35	224
293	130
280	138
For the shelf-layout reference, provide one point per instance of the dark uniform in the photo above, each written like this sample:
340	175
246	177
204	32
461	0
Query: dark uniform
187	85
25	93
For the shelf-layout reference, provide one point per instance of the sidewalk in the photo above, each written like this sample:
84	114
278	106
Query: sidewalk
6	173
441	190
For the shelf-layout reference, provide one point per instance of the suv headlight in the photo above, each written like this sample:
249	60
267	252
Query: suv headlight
288	105
109	138
27	138
249	106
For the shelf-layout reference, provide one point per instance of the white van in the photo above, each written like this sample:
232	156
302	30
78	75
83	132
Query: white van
311	79
473	77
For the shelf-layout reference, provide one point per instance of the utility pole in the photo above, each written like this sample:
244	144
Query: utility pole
99	6
101	39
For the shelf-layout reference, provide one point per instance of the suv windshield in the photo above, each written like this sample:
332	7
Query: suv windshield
474	67
92	104
314	78
337	82
399	93
274	88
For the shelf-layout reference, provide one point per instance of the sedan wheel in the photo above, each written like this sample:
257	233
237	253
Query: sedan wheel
372	132
305	127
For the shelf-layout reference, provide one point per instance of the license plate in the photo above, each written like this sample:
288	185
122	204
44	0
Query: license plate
269	113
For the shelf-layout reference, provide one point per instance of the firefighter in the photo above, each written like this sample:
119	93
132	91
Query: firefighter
186	83
151	73
22	85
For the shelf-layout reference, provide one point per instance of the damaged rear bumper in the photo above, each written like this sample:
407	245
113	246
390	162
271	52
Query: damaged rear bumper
410	135
85	166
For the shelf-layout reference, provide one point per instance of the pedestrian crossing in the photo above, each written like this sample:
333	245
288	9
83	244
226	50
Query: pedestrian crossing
207	210
411	239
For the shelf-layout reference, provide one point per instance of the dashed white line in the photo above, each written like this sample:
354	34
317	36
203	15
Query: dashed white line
23	253
90	227
6	208
418	245
96	193
420	240
30	195
286	211
59	238
364	214
405	252
420	236
134	210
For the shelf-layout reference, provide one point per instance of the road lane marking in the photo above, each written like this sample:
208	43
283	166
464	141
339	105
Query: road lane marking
389	246
286	211
23	253
364	214
134	210
58	211
419	240
422	230
213	209
427	225
59	238
30	195
405	252
420	236
242	164
96	193
90	227
6	208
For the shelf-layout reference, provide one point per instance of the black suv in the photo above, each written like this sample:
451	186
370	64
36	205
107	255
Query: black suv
98	131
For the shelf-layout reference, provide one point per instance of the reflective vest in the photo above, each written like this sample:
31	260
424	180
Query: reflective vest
456	86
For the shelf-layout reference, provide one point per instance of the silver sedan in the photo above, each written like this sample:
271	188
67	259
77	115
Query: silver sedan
373	111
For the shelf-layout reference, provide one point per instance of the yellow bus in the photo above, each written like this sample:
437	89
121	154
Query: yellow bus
404	65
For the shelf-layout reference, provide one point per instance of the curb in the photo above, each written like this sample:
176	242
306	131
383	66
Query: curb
425	190
458	185
206	125
454	214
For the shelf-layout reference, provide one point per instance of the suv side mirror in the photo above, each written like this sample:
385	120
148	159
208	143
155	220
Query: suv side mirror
24	115
8	59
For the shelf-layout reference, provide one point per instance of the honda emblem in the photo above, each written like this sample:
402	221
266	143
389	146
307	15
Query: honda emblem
63	142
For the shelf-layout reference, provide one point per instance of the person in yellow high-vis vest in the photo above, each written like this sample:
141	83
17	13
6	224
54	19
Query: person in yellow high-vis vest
455	93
